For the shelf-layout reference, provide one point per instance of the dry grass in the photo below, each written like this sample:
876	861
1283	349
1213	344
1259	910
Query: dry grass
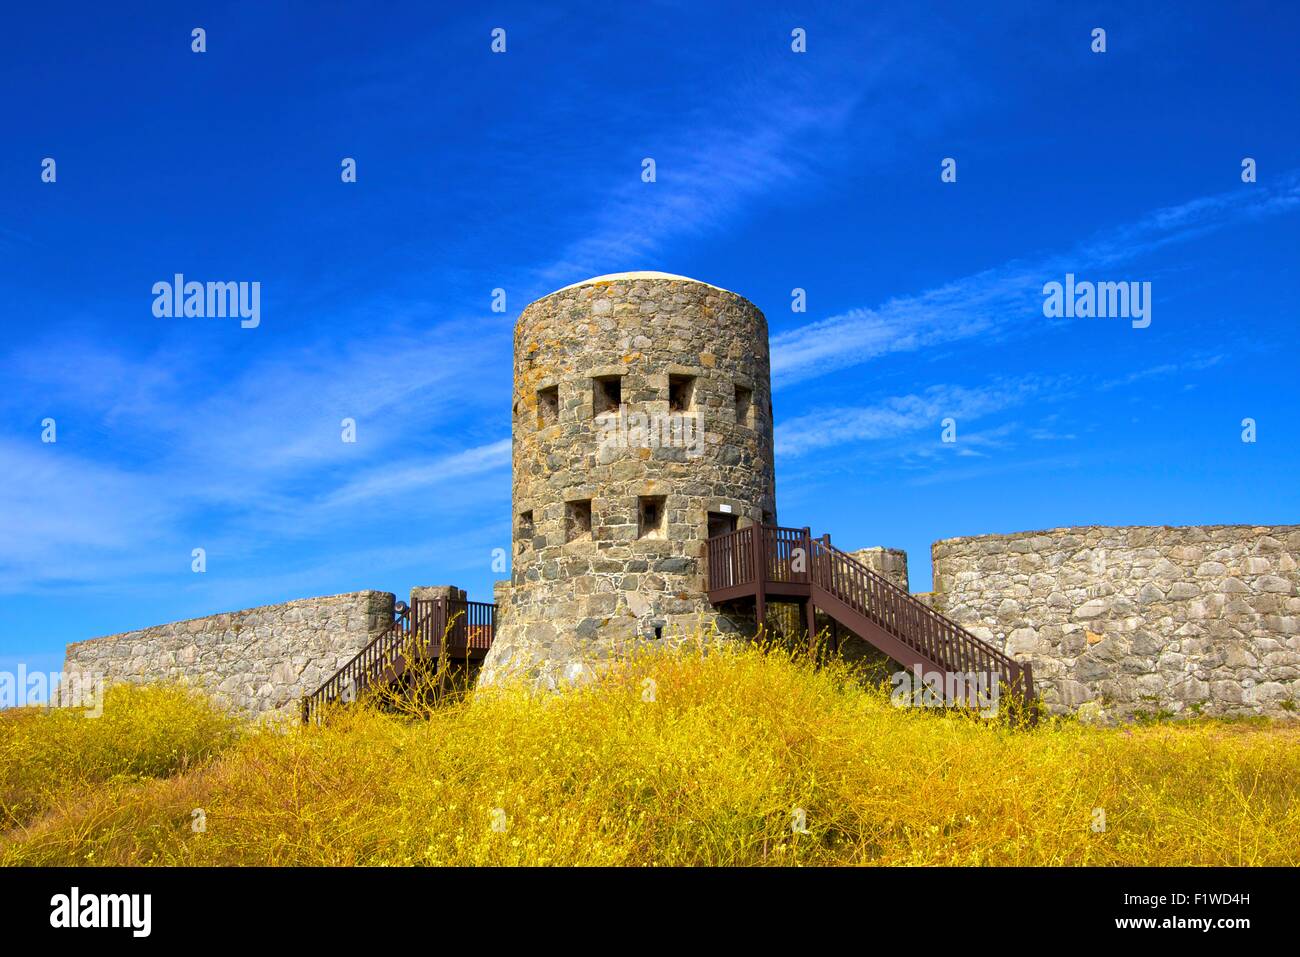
712	771
51	758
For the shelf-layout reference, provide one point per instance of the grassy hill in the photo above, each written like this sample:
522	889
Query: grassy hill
674	758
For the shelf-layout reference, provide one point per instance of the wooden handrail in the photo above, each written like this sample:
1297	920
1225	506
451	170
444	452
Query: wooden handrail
897	593
930	634
428	625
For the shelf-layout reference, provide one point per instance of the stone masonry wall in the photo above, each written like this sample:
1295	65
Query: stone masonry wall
253	661
1118	621
501	598
889	562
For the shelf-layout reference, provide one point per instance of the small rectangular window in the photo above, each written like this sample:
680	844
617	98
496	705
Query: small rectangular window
744	406
577	520
681	392
720	523
650	516
548	406
606	394
525	534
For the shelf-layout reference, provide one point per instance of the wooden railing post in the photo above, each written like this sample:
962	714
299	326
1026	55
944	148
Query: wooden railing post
760	574
825	573
806	545
810	609
437	626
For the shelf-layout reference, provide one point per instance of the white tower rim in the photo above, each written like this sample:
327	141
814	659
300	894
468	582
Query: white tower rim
641	274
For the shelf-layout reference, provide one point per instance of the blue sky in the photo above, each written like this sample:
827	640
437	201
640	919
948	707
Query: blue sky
521	170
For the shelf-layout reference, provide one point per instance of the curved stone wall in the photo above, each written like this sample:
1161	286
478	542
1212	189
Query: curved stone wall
642	405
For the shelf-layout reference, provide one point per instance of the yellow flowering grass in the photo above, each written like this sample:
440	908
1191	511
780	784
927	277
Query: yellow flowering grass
739	756
50	758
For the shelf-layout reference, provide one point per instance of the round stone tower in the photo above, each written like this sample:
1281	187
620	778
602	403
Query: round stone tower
642	424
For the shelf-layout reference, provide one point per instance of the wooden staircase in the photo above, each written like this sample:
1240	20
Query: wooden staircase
765	561
430	629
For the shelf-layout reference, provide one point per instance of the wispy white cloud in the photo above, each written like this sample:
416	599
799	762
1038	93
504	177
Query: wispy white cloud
704	179
1195	364
989	302
996	466
759	139
917	417
257	461
901	415
390	481
65	513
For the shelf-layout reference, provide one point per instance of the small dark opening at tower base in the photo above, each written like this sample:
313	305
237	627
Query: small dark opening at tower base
720	523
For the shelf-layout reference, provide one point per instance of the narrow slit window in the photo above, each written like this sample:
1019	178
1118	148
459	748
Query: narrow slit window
577	520
525	530
744	406
607	394
681	392
650	516
548	406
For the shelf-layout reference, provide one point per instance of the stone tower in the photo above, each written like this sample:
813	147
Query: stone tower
642	424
